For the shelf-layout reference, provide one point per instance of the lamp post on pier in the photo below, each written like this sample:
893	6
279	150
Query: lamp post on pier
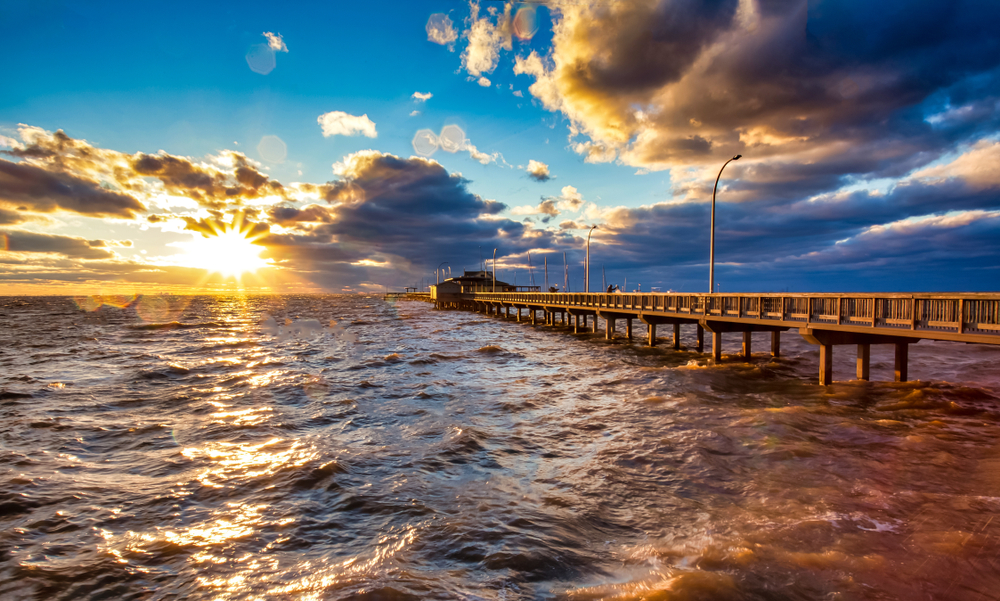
711	252
586	277
438	272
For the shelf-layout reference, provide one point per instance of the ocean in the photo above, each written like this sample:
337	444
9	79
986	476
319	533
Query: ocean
346	447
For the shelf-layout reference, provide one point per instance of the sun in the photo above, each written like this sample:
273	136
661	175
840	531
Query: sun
228	250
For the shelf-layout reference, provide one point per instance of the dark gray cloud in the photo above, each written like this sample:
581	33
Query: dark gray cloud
40	190
392	219
814	94
69	246
210	187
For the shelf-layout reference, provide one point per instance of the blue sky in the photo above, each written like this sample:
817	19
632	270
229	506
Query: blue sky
869	137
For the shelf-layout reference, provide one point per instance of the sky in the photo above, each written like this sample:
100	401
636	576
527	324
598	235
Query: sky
361	147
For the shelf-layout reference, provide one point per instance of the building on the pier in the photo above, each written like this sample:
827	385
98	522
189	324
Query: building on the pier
449	291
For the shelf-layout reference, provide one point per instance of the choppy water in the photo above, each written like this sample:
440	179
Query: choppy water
180	448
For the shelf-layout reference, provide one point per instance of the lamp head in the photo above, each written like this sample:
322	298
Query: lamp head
737	157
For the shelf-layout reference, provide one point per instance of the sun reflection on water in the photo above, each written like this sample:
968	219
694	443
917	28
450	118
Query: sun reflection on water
234	460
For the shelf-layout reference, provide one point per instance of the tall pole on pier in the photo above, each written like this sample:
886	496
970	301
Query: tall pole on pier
494	270
438	271
565	274
586	276
546	257
711	252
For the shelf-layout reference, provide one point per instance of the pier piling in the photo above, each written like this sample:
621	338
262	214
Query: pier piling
864	361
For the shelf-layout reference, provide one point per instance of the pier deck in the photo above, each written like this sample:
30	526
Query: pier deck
826	320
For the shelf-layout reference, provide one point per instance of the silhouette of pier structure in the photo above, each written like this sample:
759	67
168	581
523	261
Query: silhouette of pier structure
826	320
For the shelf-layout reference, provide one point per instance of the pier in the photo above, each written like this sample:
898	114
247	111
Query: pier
826	320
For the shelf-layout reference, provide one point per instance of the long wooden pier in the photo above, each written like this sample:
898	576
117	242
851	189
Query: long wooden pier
826	320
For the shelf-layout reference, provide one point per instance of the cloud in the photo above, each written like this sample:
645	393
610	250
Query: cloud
793	86
339	123
57	172
274	42
569	199
979	167
422	96
414	113
538	171
31	188
70	246
482	81
486	38
440	30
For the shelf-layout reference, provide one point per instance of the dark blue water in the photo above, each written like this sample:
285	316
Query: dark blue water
343	447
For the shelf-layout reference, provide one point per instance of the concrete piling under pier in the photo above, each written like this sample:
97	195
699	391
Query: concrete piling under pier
826	320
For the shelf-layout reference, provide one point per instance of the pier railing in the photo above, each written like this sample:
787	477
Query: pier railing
957	313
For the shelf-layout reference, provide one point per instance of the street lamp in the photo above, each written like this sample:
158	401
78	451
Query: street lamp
438	273
587	275
494	270
711	260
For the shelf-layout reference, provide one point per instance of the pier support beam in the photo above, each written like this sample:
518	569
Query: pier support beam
652	334
902	358
518	313
534	316
864	361
628	328
747	345
775	344
609	328
677	336
825	364
576	324
701	339
717	346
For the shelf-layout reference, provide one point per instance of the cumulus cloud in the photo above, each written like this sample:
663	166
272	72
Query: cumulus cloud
31	188
274	42
793	86
422	96
440	30
538	171
339	123
484	82
486	35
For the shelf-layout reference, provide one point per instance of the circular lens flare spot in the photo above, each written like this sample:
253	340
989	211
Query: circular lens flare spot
525	23
425	142
272	149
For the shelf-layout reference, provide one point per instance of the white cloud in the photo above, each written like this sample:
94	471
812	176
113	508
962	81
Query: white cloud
979	167
274	42
422	96
484	82
441	31
570	199
414	113
518	93
538	171
486	39
339	123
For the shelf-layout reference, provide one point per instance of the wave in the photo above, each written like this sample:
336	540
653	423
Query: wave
175	325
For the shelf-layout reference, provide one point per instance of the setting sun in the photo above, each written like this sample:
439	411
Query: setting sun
229	251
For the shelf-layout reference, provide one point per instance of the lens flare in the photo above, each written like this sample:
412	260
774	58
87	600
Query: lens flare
452	138
425	142
525	23
272	149
260	59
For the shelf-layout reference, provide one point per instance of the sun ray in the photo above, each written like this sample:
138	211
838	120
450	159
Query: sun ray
228	249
